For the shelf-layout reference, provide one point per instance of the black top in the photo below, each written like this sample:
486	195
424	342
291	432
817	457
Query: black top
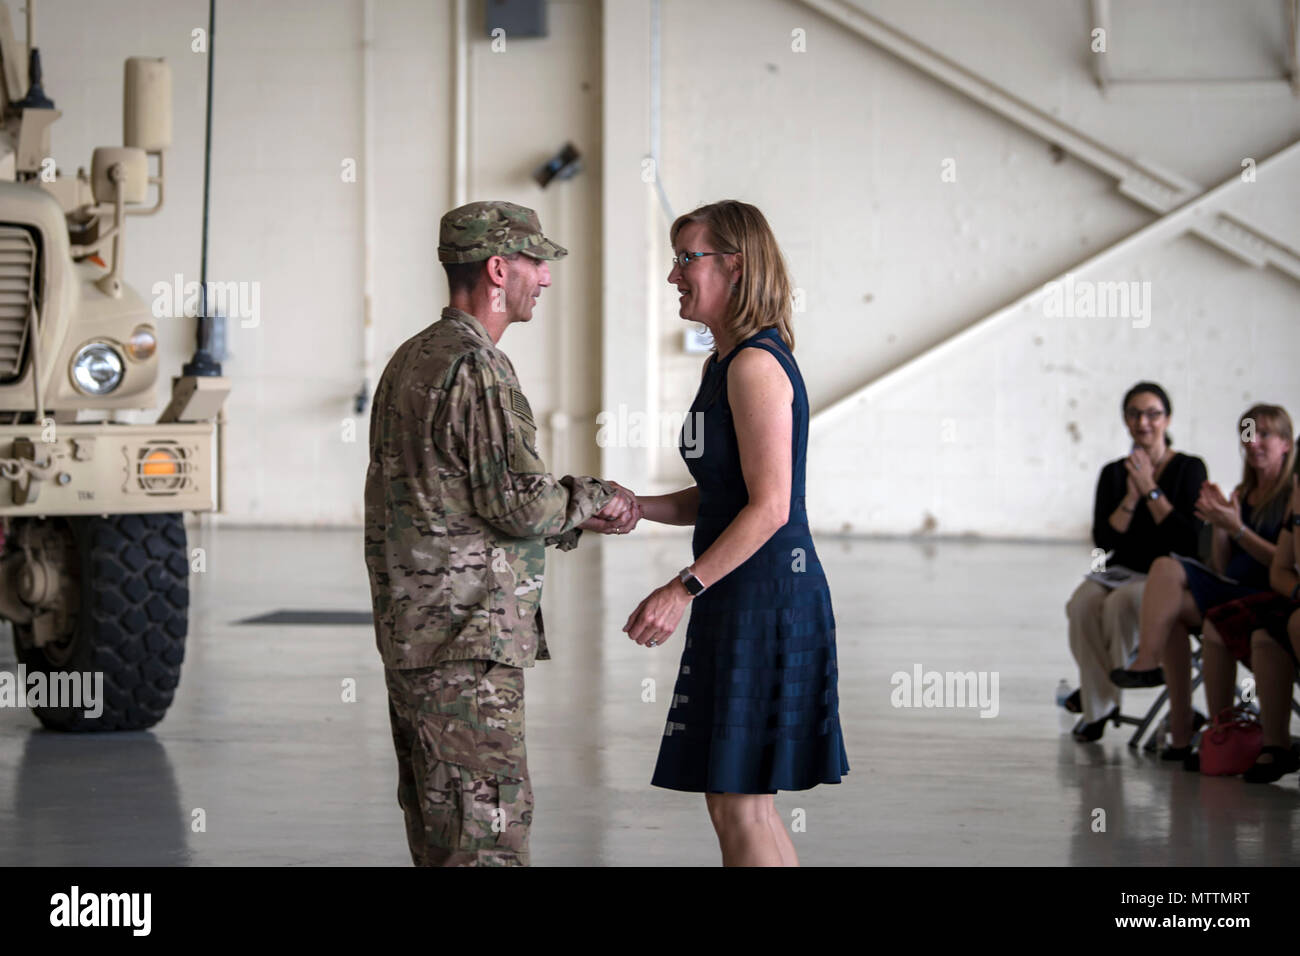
1144	541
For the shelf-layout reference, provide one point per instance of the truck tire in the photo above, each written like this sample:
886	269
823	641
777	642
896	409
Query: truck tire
131	622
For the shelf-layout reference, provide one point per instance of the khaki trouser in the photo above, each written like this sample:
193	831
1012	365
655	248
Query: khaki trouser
1103	634
463	786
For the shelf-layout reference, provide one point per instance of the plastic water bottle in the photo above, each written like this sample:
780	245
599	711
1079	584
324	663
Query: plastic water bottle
1062	692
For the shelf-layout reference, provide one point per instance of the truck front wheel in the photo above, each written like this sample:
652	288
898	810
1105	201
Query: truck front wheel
126	617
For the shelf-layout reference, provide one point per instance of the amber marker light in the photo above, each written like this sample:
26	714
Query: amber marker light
159	462
142	343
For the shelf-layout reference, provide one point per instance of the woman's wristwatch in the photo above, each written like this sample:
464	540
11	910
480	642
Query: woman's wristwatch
693	584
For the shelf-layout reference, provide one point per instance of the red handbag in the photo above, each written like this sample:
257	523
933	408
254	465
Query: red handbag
1230	745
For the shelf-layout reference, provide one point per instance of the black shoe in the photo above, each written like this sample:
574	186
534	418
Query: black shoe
1190	759
1087	733
1074	703
1126	678
1284	762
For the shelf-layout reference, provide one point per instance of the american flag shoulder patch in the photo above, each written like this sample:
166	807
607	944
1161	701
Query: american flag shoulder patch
519	405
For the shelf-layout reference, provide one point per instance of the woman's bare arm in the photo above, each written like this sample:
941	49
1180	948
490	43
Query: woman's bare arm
1282	576
678	508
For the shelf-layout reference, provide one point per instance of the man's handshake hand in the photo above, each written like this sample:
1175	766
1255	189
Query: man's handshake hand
619	516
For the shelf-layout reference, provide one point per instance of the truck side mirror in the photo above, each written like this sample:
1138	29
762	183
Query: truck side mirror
147	105
135	173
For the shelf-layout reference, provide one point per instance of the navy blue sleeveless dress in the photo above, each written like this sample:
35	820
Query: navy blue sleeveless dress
755	708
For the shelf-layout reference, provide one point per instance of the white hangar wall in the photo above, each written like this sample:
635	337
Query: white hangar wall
842	146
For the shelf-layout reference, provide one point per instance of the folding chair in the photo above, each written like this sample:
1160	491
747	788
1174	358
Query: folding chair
1144	722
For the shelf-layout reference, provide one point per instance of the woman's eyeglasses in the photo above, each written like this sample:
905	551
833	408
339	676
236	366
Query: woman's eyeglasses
685	258
1150	414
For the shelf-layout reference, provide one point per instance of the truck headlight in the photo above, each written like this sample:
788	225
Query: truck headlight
97	368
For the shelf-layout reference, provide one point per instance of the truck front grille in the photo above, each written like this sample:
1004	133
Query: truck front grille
17	287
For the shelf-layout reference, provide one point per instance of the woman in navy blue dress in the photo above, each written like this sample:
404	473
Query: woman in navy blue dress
755	708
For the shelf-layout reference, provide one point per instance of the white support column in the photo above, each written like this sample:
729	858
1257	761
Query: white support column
460	108
629	354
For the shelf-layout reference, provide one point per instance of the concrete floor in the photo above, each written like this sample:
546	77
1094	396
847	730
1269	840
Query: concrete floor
287	773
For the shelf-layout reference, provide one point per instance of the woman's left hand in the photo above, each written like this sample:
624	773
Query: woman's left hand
655	618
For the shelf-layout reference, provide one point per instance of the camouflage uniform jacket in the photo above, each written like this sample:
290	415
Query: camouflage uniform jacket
459	507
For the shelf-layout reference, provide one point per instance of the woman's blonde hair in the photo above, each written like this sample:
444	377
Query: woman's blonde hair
762	297
1277	497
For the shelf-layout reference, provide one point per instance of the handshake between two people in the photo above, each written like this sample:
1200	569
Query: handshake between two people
619	516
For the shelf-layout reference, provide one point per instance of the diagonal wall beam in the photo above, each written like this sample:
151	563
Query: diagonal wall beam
1155	188
1168	226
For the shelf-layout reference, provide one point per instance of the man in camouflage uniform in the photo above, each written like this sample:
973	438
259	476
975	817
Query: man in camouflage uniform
459	510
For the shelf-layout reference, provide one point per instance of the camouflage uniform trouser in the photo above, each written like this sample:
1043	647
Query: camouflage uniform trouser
462	772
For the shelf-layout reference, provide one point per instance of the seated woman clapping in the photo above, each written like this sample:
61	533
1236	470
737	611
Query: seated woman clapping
1142	510
1179	589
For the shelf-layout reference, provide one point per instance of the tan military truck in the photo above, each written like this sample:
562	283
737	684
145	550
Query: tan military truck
94	577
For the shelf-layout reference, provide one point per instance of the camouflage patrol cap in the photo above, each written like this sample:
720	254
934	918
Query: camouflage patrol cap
473	232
